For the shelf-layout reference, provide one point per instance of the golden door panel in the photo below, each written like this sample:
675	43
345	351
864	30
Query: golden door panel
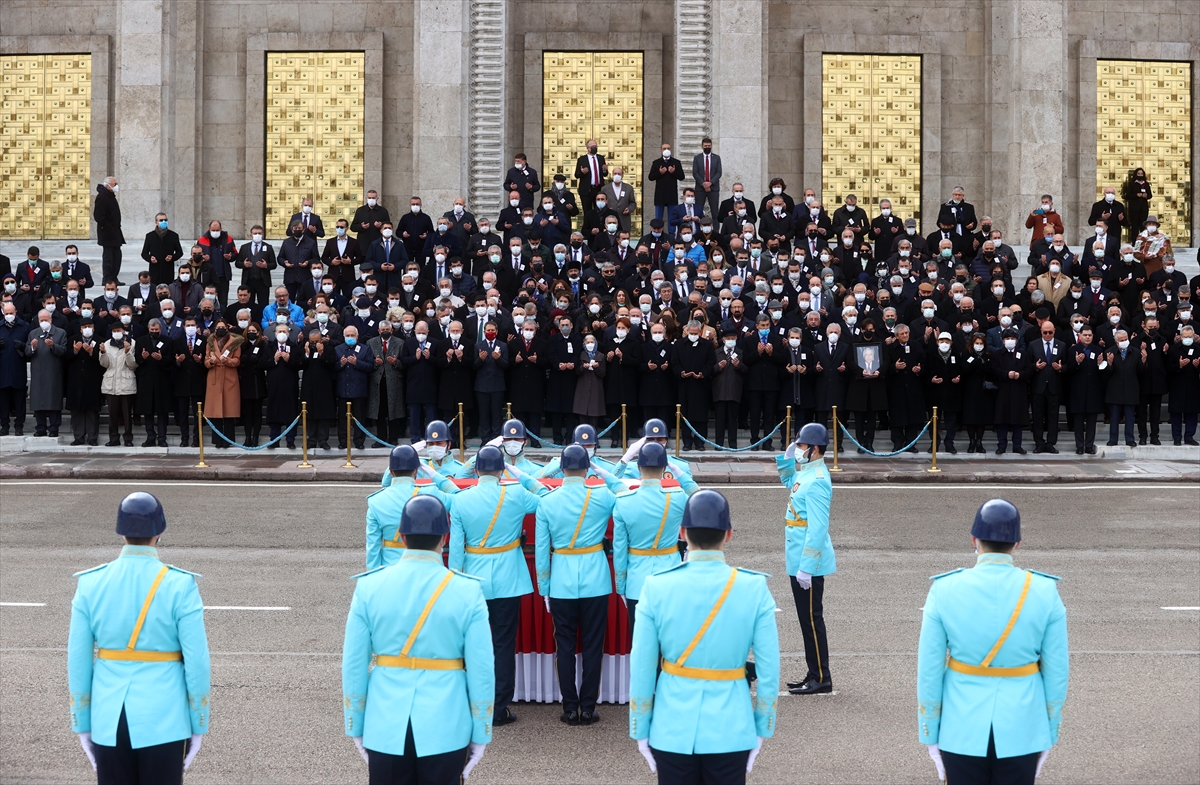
592	95
315	118
871	139
45	145
1143	118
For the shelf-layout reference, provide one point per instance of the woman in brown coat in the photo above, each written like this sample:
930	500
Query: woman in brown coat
223	396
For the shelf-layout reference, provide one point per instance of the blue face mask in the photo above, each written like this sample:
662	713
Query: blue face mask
351	340
162	224
656	234
763	333
736	289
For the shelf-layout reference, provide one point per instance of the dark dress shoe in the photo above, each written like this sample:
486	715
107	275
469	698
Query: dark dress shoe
861	451
1155	441
812	687
1000	450
183	442
1191	442
507	718
92	441
4	431
112	444
1112	442
129	442
1079	451
76	442
39	434
1132	444
19	431
795	685
1020	450
148	443
324	445
273	446
569	717
1052	450
1141	441
1091	450
950	448
291	445
162	442
588	718
1178	443
53	434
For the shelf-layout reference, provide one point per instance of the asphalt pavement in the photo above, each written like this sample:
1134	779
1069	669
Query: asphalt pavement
1125	552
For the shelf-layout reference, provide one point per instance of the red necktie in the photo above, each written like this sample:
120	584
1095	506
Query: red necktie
707	177
595	172
385	347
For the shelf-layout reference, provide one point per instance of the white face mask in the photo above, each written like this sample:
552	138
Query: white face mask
1187	340
422	337
363	313
1109	198
1010	344
371	202
317	273
850	208
1127	257
657	337
1168	268
215	234
833	338
910	231
190	330
616	178
1114	319
885	212
528	334
1077	326
850	320
455	336
694	337
590	346
51	307
513	448
943	347
777	190
594	308
387	233
927	313
322	318
436	451
481	310
527	220
371	288
730	343
794	343
622	332
116	336
635	320
1122	345
1005	321
1055	268
666	154
445	291
243	324
126	319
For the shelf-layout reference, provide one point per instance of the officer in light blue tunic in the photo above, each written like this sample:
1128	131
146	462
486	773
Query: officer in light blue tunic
512	440
436	446
677	469
992	664
485	540
575	580
646	527
384	543
695	722
137	657
809	554
584	436
423	713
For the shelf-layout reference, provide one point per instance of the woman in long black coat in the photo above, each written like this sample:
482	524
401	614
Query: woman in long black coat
527	363
283	363
621	380
83	398
1183	366
563	355
656	385
867	396
943	377
316	388
420	380
979	400
252	380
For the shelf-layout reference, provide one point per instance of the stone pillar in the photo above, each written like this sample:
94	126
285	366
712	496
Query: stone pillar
143	124
441	39
487	102
693	80
739	89
1037	71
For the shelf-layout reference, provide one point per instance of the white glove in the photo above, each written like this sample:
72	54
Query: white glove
475	755
496	442
418	446
632	452
644	748
361	749
623	602
804	579
193	748
1041	762
936	754
547	599
790	452
600	470
89	749
753	755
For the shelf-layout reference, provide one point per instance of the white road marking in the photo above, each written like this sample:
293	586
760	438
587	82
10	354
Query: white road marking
23	604
1165	607
247	607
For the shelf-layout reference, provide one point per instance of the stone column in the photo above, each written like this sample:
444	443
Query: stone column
487	102
143	124
441	39
739	94
1037	71
693	80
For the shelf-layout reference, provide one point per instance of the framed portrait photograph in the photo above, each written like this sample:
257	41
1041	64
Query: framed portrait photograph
869	358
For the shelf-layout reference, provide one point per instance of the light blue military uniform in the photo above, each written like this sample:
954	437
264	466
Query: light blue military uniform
677	469
489	516
384	507
966	614
467	472
710	710
447	467
809	548
553	469
448	703
158	671
645	520
574	518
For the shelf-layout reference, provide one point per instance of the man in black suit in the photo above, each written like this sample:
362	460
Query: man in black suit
369	219
706	171
1047	354
386	258
958	214
1110	211
296	254
738	201
256	260
342	256
308	219
462	221
162	251
591	172
1109	241
33	275
523	179
75	270
666	173
107	214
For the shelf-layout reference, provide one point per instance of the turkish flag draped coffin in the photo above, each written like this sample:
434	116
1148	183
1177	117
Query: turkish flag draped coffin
537	677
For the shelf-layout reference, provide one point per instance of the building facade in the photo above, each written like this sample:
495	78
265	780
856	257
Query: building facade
236	109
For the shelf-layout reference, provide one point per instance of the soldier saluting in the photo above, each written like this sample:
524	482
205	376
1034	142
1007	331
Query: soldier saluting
992	664
140	701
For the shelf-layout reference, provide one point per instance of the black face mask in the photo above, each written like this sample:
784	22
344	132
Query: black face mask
812	234
297	233
537	267
576	244
868	334
251	337
206	311
221	332
986	228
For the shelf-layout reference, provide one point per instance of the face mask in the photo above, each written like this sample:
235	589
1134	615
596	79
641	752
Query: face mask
214	235
116	336
777	288
1187	340
847	241
1055	268
436	451
1114	319
932	275
860	297
527	220
590	346
1168	268
243	323
666	154
126	319
594	308
968	328
910	231
1010	344
1185	316
958	297
387	233
190	330
422	337
612	229
1005	321
1122	345
829	280
564	331
761	299
730	343
51	307
528	334
1151	229
693	338
885	212
616	178
601	205
322	318
850	320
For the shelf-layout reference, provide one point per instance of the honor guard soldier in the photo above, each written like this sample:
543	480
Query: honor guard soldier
646	527
141	701
384	543
992	664
809	553
575	581
678	469
423	714
512	440
436	446
485	540
696	722
584	436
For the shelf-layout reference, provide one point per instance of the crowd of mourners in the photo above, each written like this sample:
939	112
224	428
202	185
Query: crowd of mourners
556	309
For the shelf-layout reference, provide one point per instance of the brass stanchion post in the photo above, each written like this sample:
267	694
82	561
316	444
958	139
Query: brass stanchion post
624	429
462	434
933	447
787	429
349	464
200	434
509	417
678	425
304	464
835	468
